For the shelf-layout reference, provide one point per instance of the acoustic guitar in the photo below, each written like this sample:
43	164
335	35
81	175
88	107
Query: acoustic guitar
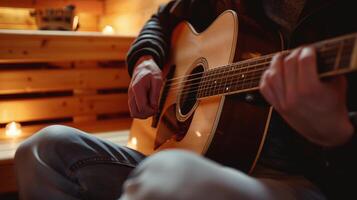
210	103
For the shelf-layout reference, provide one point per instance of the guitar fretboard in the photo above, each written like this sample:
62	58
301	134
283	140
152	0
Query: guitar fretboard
333	57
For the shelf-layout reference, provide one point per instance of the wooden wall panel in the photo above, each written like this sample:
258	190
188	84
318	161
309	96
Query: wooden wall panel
16	14
60	107
33	46
128	16
19	18
26	81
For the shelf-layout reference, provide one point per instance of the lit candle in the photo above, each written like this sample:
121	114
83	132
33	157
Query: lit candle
13	130
108	30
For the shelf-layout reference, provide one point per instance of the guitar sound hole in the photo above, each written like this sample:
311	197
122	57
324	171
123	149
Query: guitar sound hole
188	94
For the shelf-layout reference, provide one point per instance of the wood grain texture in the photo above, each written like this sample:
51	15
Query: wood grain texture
52	46
19	18
27	81
59	107
127	17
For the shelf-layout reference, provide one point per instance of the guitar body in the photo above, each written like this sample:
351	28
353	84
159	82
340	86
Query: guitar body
228	129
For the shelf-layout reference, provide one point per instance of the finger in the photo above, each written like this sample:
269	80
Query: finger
307	70
266	89
156	84
339	84
290	73
277	76
134	112
141	90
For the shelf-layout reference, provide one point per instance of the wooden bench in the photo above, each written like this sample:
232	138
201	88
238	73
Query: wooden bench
51	77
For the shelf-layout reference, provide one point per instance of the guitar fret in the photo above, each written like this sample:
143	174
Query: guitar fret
215	82
338	56
346	53
225	85
205	84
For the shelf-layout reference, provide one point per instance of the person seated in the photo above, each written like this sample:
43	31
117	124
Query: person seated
311	146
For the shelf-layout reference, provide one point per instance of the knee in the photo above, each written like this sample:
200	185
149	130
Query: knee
163	175
44	142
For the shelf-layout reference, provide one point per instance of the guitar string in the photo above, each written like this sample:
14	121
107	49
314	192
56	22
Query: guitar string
253	80
195	98
259	59
221	72
219	82
232	74
219	87
262	65
243	75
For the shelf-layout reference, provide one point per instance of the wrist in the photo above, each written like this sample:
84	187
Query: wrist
142	59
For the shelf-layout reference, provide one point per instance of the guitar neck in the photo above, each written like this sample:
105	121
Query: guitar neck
335	56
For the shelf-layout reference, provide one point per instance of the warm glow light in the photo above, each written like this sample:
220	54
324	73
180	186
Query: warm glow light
198	134
75	22
134	141
13	130
108	30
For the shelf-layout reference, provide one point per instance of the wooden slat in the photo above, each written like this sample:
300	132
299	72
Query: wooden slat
52	46
59	107
23	81
91	6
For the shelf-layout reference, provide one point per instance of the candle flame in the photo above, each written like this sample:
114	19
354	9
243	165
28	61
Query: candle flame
13	130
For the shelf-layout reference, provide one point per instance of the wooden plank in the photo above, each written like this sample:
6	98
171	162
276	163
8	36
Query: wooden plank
60	107
84	64
25	81
91	6
52	46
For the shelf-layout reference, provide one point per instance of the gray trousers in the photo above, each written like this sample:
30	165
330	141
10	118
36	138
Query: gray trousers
61	163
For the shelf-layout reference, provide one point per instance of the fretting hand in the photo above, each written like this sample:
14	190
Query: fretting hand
144	88
314	108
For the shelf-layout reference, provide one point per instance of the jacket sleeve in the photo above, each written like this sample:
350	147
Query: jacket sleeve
154	38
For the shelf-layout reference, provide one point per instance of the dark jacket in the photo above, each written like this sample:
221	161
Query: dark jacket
331	169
